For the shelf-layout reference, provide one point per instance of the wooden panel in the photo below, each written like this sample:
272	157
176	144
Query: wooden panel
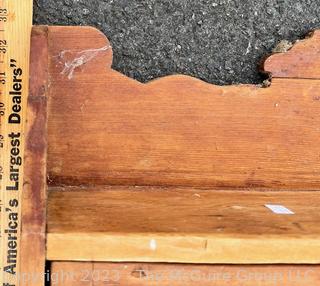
72	274
35	179
105	128
182	225
302	61
139	274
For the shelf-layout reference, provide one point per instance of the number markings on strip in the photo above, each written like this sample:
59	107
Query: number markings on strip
15	32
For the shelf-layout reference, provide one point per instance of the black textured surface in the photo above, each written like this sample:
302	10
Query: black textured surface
219	41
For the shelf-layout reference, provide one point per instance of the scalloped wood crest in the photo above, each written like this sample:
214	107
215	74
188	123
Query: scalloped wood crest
105	128
302	61
88	125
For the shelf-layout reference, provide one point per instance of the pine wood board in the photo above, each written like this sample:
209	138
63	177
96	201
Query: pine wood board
182	225
33	230
301	61
187	137
142	274
107	129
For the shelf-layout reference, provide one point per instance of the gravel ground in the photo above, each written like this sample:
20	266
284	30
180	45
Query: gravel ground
219	41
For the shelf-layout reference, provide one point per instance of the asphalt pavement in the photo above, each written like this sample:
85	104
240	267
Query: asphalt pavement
219	41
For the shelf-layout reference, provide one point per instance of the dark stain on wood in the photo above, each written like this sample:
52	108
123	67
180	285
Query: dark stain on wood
33	236
36	138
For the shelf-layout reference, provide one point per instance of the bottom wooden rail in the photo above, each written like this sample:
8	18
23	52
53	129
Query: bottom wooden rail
121	224
146	274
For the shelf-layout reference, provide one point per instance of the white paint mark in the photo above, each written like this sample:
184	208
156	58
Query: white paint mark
279	209
81	58
153	244
197	195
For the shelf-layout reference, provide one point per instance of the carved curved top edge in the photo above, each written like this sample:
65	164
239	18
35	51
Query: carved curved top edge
177	130
301	61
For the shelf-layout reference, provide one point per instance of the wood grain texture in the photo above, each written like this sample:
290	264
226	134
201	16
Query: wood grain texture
35	179
302	61
182	225
105	128
142	274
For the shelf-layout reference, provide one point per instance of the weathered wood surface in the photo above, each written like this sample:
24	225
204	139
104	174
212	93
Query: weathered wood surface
33	252
105	128
302	61
142	274
182	225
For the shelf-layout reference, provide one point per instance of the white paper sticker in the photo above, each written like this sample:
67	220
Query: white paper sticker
279	209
